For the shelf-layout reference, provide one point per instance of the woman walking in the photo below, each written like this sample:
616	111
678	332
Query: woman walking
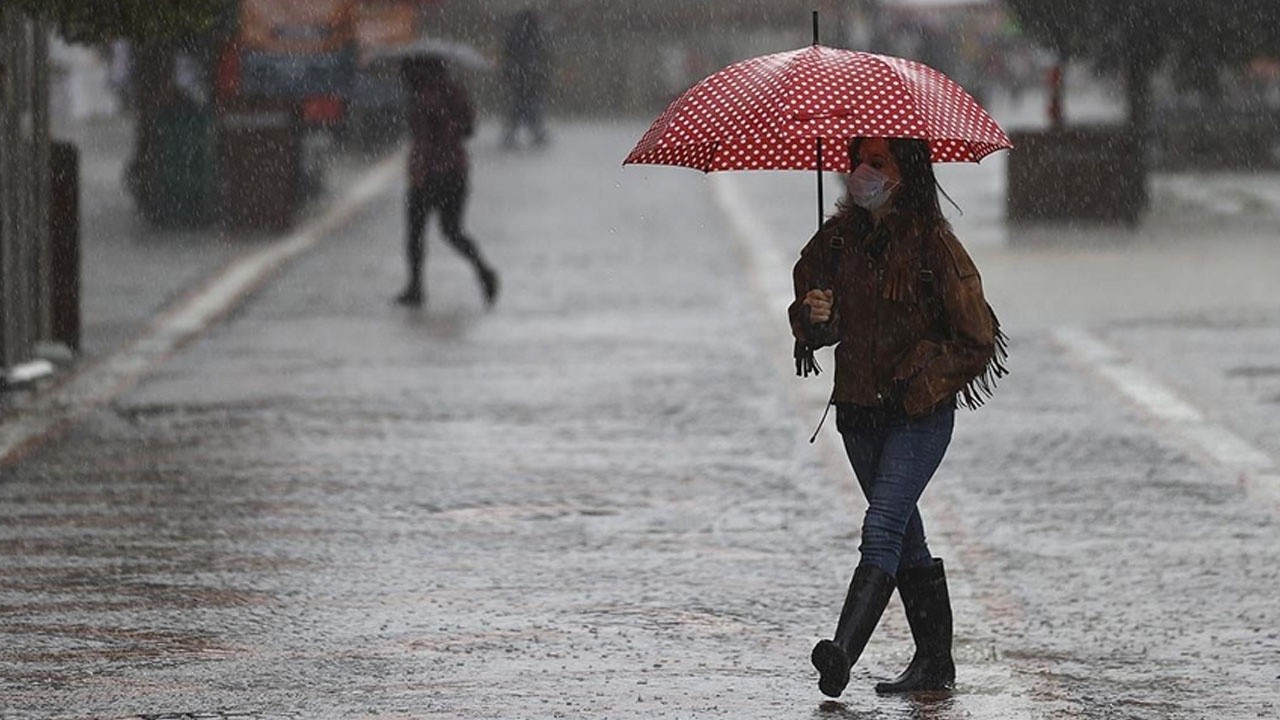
887	281
440	120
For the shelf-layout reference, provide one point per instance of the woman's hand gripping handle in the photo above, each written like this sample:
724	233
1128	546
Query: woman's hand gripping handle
818	303
815	310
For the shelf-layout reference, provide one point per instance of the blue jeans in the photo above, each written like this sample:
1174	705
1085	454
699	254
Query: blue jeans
894	464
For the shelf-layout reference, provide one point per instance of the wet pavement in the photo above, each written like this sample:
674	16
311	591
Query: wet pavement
598	499
132	270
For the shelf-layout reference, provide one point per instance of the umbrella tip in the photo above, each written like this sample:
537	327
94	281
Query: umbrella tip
815	27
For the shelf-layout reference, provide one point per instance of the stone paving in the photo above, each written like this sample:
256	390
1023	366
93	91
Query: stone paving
598	499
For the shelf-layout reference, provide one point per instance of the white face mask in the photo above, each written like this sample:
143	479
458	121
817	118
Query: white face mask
870	188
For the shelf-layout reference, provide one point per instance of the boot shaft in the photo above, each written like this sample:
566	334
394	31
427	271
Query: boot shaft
928	607
869	593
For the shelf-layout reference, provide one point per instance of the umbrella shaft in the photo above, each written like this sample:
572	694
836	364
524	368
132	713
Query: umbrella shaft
820	204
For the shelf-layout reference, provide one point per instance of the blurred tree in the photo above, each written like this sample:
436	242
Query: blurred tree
158	30
92	21
1194	38
1137	36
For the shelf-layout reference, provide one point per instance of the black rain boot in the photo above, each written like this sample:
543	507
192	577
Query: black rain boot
412	295
928	604
488	283
869	593
416	254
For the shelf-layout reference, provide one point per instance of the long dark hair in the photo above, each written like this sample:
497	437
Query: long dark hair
917	196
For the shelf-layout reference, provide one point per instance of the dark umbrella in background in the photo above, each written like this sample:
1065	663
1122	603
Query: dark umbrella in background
450	51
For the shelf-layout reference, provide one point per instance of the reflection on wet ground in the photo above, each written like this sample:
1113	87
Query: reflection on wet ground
917	706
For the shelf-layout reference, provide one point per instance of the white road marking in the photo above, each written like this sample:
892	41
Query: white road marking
769	270
1163	404
1153	397
108	378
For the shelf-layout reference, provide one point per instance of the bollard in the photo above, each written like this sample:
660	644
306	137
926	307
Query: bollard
64	244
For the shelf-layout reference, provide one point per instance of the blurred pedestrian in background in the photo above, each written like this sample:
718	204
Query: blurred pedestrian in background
887	281
525	69
120	72
441	118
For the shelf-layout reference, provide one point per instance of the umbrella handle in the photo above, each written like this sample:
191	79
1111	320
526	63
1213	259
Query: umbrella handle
806	364
807	322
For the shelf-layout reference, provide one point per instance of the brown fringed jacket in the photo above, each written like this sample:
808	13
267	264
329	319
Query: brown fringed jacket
909	317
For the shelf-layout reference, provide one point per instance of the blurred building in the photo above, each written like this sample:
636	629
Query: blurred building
81	86
622	57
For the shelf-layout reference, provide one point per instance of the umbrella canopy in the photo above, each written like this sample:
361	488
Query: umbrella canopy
458	53
769	112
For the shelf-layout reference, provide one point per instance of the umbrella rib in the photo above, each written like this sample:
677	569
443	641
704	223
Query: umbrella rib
911	98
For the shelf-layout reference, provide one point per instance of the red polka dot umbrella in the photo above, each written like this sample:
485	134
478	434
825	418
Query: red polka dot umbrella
769	112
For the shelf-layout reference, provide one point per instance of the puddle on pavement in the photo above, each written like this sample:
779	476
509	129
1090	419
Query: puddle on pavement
919	706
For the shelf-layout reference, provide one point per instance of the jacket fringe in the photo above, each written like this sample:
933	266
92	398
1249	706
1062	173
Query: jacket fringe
980	389
806	363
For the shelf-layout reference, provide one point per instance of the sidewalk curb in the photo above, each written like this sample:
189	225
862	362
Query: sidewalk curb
66	403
